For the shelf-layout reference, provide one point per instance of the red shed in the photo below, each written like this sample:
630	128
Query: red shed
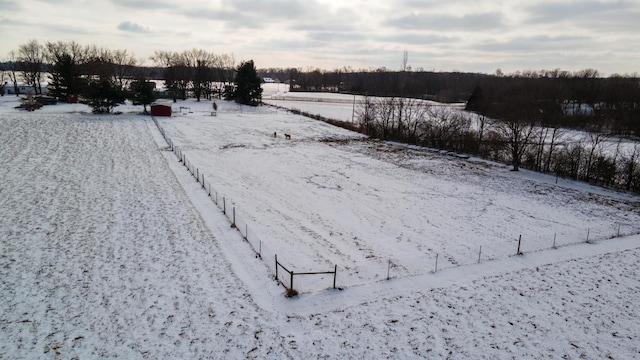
160	110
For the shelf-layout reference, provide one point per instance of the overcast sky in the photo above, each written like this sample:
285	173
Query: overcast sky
441	35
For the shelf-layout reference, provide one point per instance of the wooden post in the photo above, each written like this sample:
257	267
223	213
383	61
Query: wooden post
335	273
479	254
260	251
291	283
519	241
224	205
588	231
276	266
197	175
246	233
388	269
619	229
436	262
233	223
554	240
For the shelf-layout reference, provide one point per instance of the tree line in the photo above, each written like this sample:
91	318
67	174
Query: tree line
104	78
522	118
590	156
581	99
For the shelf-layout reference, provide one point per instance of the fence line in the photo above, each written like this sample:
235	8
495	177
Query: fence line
262	251
255	242
291	290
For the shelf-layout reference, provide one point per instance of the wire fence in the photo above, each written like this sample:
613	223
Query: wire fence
392	268
229	209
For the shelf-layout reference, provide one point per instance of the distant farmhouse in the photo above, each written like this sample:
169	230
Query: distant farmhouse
268	80
8	89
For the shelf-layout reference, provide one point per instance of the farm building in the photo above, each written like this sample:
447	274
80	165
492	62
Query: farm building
160	110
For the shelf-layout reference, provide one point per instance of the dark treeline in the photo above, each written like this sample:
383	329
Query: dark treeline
580	99
104	78
439	86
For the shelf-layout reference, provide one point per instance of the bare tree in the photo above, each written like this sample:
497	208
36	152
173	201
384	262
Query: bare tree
200	63
176	74
31	60
632	166
518	135
481	126
556	134
12	71
596	141
124	67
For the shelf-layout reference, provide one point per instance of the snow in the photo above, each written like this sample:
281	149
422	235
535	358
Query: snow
110	248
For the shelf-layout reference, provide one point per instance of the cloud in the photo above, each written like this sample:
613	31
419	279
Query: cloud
9	5
417	38
537	43
144	4
445	22
133	27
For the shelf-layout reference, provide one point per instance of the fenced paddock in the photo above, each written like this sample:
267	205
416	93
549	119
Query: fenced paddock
254	240
313	219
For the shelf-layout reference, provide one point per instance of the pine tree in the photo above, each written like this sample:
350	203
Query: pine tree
247	85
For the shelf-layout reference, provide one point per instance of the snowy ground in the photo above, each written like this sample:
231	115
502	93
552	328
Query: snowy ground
108	247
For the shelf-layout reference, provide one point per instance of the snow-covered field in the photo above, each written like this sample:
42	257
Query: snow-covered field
110	248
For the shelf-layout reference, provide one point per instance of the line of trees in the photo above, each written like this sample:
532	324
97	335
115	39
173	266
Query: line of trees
104	78
581	100
196	72
100	76
593	157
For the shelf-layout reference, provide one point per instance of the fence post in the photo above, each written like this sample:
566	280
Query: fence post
335	273
436	262
233	223
276	267
519	241
224	205
388	269
291	283
197	175
588	231
619	229
479	254
554	240
260	251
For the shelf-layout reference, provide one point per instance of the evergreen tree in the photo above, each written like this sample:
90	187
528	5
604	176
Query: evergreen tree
247	85
143	92
103	95
65	77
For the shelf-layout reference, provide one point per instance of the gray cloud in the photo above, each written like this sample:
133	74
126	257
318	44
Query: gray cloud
554	12
132	27
469	35
145	4
271	10
9	5
537	43
445	22
417	38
